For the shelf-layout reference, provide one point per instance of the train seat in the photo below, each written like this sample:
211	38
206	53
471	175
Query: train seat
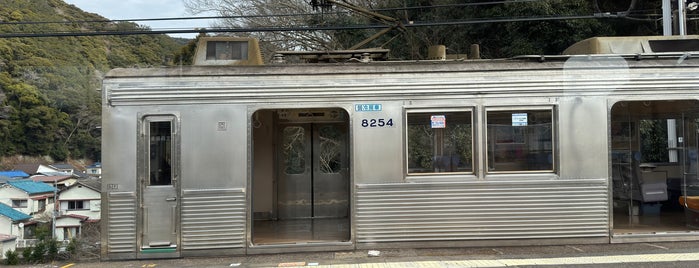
692	202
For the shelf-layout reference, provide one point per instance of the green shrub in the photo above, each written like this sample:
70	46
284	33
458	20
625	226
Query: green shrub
38	253
72	246
27	253
11	258
52	249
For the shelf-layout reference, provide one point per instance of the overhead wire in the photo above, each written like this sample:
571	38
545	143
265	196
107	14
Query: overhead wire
297	28
259	16
291	29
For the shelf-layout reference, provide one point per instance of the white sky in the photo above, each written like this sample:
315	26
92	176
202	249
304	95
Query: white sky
144	9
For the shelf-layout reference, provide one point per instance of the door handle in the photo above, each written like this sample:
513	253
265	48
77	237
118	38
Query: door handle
171	199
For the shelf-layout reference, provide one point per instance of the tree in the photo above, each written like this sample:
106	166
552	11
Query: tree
286	13
34	127
502	39
49	86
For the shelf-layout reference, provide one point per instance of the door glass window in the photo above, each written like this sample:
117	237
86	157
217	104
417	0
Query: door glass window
331	144
654	140
160	153
520	140
294	149
440	142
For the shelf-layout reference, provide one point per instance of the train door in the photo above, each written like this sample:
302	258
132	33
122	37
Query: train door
159	213
308	199
690	166
654	167
312	181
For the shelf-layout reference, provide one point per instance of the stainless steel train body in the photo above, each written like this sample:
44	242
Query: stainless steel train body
217	160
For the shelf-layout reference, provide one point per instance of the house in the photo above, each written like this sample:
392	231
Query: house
12	221
33	169
60	181
9	175
7	243
14	174
64	167
69	226
83	198
95	170
27	196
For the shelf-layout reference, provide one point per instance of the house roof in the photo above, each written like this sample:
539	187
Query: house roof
6	237
4	179
12	213
81	174
32	169
63	166
14	174
74	216
95	165
94	184
32	187
51	179
28	168
54	173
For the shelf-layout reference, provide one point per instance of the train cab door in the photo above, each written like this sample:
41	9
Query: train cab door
158	180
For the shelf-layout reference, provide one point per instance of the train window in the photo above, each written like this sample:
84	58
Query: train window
294	139
440	142
227	50
330	156
520	140
160	153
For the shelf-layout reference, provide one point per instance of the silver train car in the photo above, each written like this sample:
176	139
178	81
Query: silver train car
228	160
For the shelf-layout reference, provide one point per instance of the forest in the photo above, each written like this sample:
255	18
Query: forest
50	86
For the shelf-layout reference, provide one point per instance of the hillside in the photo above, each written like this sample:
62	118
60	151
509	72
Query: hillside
49	98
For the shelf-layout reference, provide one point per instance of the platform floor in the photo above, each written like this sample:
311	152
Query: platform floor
267	232
664	221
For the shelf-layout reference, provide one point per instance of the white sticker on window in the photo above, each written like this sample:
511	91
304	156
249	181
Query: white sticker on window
519	119
438	121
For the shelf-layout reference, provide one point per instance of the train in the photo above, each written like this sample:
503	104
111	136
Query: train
231	156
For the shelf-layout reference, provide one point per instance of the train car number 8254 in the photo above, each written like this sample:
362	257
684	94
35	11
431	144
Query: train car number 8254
377	122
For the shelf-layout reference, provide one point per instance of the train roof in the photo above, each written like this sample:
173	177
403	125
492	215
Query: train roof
530	62
635	45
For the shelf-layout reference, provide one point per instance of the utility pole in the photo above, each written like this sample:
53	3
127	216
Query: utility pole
682	17
53	213
667	18
682	8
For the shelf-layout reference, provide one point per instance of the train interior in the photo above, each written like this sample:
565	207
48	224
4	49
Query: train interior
300	180
654	167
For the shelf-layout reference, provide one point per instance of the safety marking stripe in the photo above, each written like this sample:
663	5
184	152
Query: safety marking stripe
665	257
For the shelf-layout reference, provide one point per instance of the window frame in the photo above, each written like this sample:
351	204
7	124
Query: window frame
75	202
144	162
431	176
555	154
25	201
218	48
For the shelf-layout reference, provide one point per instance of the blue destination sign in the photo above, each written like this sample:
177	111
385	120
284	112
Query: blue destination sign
370	107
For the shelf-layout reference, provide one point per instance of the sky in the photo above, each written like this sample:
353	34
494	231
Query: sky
144	9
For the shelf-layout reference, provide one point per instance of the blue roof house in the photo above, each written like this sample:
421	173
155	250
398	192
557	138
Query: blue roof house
27	196
14	174
10	220
9	175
